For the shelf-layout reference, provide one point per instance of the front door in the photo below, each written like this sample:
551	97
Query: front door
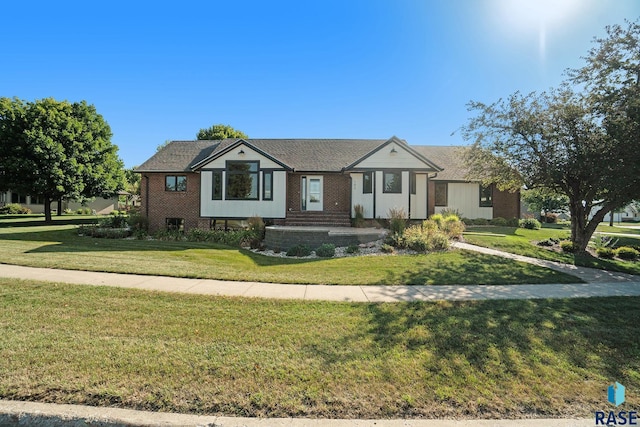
311	193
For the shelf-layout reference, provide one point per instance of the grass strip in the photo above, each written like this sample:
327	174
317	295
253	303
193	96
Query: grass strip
251	357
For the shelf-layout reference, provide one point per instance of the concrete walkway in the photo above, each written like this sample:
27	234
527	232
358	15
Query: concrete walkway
599	283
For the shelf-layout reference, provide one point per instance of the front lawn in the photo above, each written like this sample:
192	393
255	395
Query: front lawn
60	247
252	357
521	241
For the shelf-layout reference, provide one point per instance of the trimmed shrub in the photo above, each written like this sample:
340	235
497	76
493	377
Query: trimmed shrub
627	253
480	221
138	223
513	222
499	222
530	224
327	250
228	238
14	209
606	253
353	249
299	251
387	249
567	247
169	235
103	232
550	218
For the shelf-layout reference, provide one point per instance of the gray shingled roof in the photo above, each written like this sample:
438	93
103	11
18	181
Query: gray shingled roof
319	155
179	156
304	155
447	157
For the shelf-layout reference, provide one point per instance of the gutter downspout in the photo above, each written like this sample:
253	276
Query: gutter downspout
146	196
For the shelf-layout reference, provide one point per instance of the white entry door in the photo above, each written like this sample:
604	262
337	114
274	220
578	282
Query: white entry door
312	193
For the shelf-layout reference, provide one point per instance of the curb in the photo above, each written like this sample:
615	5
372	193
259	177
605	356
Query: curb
17	413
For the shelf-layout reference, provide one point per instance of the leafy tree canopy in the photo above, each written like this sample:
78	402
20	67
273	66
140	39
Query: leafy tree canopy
220	132
57	149
581	140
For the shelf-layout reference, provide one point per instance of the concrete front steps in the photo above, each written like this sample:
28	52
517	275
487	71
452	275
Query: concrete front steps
322	219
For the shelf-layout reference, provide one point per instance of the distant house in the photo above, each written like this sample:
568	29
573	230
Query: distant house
101	205
196	184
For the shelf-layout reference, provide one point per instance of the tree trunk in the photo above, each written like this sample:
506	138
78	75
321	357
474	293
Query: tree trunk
47	209
611	219
59	207
581	227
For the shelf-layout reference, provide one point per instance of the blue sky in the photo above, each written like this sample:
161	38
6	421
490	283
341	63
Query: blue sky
293	69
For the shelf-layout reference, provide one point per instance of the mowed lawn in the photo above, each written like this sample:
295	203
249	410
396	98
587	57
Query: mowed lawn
252	357
522	242
59	246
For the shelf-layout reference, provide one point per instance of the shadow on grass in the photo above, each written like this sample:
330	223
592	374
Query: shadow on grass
39	221
580	331
511	341
475	269
68	241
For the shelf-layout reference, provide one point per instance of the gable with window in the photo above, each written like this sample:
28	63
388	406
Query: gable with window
242	180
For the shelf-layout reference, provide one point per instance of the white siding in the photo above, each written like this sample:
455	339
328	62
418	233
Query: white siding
387	201
385	159
275	208
366	200
419	200
465	197
249	155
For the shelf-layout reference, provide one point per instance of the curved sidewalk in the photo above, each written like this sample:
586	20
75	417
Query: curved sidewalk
599	283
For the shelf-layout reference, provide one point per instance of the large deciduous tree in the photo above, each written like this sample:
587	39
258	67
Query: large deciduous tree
57	150
581	140
220	132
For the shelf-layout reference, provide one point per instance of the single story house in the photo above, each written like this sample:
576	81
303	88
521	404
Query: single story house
194	184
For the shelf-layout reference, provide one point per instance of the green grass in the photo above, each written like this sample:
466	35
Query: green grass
250	357
58	246
520	241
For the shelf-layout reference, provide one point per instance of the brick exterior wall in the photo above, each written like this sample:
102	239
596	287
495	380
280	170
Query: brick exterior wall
336	192
506	205
431	200
159	204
